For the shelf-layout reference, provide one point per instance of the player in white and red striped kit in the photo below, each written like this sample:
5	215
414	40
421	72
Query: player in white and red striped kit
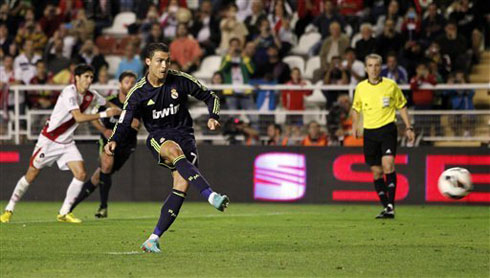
55	143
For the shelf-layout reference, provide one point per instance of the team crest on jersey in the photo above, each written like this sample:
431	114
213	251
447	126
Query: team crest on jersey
87	98
162	140
174	94
41	155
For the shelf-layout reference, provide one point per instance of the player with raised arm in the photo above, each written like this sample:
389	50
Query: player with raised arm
55	143
378	98
110	164
160	99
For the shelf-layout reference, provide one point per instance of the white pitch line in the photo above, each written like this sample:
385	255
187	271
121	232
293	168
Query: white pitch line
125	253
155	217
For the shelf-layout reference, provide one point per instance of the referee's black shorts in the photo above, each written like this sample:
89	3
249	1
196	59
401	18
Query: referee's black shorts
379	142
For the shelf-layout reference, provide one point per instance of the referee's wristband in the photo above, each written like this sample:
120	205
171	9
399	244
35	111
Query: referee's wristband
103	114
409	128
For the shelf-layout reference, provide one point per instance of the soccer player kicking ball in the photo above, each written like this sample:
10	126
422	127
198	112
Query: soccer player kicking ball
110	164
160	99
55	143
378	98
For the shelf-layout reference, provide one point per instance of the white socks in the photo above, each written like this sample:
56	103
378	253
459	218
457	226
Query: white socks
19	191
71	194
210	198
153	236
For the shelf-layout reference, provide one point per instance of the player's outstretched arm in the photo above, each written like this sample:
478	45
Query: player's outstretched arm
110	147
81	117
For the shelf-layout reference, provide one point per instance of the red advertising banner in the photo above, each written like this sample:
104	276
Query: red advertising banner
436	164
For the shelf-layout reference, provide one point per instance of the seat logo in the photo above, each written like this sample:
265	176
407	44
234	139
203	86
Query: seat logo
279	177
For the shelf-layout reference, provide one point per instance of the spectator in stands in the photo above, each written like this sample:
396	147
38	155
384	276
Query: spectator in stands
168	20
82	28
230	28
185	50
293	100
156	35
236	70
433	23
104	79
336	75
234	127
352	10
9	17
422	99
280	70
393	70
55	61
462	12
389	41
249	49
367	44
334	45
454	45
50	20
151	17
275	137
66	76
252	22
41	99
101	12
277	17
411	26
463	125
69	41
392	14
308	10
353	67
25	63
263	41
31	31
7	78
315	136
339	123
5	40
90	55
265	101
326	18
69	8
286	36
217	79
130	62
205	28
412	55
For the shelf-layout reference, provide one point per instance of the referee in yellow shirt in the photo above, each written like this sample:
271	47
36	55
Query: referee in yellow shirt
378	98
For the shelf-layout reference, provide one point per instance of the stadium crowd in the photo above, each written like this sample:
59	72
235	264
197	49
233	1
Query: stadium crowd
421	42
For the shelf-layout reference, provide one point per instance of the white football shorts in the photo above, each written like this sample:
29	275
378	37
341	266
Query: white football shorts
47	152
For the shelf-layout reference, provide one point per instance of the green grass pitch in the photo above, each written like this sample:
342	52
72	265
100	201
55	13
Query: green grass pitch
249	240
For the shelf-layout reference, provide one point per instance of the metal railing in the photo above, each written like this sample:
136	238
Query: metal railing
477	117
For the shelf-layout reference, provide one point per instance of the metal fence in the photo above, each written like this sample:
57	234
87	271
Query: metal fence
431	125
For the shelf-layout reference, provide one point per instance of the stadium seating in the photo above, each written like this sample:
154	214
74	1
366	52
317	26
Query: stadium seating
295	61
317	98
208	66
113	62
120	24
106	44
306	41
312	64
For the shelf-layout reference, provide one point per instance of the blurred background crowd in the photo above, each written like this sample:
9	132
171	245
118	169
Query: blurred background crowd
295	42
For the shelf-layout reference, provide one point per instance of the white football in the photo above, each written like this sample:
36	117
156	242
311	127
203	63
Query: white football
455	183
